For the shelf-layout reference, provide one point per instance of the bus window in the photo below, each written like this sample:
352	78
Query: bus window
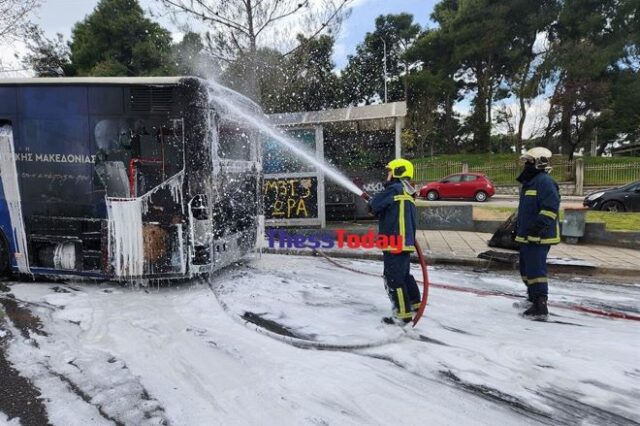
234	143
113	177
138	156
158	156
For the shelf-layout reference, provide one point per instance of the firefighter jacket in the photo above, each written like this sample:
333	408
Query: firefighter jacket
396	211
538	211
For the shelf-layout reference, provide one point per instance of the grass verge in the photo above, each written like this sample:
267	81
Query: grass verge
613	221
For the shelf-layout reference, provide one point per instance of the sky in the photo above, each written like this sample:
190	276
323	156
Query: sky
362	20
59	16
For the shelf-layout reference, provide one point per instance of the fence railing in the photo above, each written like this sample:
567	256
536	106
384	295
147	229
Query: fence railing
502	173
429	172
506	172
611	174
499	173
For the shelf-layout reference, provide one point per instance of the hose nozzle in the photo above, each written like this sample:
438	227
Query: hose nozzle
365	196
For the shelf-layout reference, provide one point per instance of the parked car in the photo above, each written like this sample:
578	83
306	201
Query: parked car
623	199
475	186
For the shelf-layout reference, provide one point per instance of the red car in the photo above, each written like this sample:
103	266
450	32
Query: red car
475	186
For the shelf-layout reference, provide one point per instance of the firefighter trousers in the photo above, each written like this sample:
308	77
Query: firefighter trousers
533	268
401	287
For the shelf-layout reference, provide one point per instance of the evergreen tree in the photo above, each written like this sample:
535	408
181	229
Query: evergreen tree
189	57
589	41
433	91
309	78
363	79
116	39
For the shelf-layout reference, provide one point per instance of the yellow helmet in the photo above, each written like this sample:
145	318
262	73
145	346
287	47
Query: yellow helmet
401	168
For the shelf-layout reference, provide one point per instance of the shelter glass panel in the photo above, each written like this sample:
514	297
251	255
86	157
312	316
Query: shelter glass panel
278	159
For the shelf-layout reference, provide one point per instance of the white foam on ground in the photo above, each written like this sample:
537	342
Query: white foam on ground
4	421
203	367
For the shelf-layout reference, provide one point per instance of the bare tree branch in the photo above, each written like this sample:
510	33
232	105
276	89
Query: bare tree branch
14	17
247	24
204	17
273	19
238	29
339	10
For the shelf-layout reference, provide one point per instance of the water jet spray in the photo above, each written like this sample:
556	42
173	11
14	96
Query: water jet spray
260	123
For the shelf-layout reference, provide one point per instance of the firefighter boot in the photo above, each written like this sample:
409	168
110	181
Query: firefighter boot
538	311
523	305
393	320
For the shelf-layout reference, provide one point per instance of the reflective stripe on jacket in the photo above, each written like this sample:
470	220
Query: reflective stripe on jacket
538	210
396	212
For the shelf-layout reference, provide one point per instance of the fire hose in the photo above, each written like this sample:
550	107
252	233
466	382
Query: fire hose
607	313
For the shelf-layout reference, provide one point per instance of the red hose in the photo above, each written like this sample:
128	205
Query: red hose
480	292
425	284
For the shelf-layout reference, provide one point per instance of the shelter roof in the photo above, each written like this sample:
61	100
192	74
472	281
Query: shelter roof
380	116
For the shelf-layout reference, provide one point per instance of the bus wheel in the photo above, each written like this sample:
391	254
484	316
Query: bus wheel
5	257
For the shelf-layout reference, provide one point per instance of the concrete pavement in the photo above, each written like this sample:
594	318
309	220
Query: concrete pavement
462	248
467	245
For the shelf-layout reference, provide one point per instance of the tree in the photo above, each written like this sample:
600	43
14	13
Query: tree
433	91
364	76
399	33
270	80
238	29
116	39
309	78
48	57
529	22
302	81
478	31
588	40
189	57
14	18
15	23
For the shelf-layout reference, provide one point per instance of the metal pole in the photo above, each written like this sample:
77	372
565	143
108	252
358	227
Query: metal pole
384	44
398	139
322	212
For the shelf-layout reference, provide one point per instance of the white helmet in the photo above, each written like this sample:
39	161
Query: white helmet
540	156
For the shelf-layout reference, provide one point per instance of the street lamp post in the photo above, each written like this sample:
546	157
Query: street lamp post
384	44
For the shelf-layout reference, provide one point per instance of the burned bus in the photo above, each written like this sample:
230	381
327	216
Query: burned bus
124	178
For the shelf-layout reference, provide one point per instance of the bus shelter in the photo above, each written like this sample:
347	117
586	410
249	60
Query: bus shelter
358	141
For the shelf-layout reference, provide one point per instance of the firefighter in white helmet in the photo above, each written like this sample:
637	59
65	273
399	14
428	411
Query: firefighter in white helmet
537	228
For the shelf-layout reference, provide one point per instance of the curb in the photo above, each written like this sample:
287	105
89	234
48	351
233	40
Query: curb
433	260
623	276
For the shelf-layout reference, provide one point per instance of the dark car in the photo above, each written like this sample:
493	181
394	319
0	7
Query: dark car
623	199
475	186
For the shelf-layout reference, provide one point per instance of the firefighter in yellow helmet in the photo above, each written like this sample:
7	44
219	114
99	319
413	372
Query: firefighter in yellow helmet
396	211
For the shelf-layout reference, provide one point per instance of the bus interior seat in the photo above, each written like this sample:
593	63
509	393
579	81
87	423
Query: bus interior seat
113	175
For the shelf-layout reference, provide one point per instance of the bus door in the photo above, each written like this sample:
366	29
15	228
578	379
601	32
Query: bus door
232	208
11	217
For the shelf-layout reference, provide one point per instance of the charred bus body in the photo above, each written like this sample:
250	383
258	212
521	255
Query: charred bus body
124	178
